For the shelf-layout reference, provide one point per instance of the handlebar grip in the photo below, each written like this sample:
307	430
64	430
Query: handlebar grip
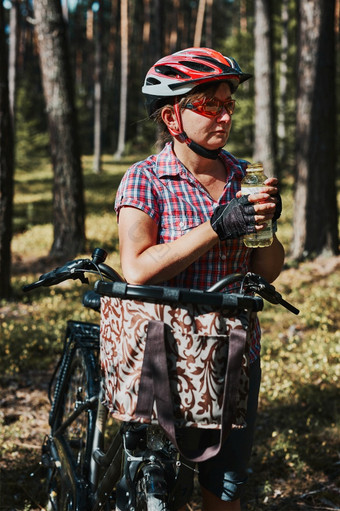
29	287
289	306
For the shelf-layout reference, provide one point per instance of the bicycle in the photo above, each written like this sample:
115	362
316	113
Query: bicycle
140	469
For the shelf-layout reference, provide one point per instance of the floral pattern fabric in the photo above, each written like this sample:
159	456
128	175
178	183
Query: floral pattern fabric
197	353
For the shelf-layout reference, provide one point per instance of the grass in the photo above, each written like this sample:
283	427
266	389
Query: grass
295	463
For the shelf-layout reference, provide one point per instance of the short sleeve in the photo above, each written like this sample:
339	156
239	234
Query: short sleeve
138	189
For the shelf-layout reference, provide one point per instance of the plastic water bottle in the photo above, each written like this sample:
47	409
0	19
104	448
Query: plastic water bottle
252	183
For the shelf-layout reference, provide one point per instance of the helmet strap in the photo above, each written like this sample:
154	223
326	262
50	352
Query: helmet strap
211	154
181	136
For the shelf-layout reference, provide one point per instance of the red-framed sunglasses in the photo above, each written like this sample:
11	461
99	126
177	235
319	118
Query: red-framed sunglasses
212	107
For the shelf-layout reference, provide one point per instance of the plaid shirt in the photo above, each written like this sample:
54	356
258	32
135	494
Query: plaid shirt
164	189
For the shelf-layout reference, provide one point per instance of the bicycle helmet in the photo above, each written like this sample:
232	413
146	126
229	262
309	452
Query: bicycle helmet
177	74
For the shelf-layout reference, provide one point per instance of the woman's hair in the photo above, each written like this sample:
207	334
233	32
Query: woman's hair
207	90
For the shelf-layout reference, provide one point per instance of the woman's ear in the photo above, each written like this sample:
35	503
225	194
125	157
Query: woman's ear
169	119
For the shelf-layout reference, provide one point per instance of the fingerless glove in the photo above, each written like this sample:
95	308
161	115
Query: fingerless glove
278	207
233	220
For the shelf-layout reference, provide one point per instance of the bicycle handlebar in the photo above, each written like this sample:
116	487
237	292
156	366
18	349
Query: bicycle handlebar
173	295
250	282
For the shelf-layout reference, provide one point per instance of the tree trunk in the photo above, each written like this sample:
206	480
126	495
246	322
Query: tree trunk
283	84
124	29
173	28
109	66
13	55
98	73
209	24
264	144
146	35
199	23
68	200
6	169
315	216
243	16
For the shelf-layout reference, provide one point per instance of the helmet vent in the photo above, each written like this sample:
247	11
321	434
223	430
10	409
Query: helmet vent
197	66
170	71
152	81
224	68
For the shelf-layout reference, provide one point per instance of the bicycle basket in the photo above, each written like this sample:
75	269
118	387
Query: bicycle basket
201	347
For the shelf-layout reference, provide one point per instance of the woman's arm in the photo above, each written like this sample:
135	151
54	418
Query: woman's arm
144	261
268	261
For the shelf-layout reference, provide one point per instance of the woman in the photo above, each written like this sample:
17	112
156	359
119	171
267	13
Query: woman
182	218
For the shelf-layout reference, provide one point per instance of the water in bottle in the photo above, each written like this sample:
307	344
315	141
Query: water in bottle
252	183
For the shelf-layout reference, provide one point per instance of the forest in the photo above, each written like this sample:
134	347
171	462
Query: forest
73	119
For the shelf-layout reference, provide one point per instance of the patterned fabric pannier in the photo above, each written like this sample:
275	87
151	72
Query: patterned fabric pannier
184	366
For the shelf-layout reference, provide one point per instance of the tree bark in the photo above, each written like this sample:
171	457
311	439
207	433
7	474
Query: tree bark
315	215
283	84
98	73
68	200
13	55
124	25
173	28
264	143
209	24
243	16
6	169
199	23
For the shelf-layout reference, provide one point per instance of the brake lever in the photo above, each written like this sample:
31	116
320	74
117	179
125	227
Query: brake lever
260	286
72	270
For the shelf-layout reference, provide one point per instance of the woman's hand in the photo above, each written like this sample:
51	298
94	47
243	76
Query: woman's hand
267	203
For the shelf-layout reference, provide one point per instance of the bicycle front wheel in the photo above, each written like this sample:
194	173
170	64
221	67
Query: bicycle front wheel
81	385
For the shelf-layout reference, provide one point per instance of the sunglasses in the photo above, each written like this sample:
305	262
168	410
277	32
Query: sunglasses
211	107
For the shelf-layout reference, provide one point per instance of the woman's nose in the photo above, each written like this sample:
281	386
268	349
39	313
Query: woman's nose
224	114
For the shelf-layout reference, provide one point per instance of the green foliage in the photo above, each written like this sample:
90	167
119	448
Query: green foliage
31	130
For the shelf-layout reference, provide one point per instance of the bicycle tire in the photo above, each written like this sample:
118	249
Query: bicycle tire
60	497
78	383
81	334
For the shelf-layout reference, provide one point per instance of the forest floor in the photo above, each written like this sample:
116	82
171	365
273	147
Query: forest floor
277	482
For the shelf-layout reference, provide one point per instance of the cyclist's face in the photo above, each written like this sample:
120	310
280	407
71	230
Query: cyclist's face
210	131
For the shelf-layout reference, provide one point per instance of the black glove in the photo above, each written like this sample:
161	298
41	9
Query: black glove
234	220
278	207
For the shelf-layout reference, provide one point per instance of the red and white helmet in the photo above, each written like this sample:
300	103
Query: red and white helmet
179	73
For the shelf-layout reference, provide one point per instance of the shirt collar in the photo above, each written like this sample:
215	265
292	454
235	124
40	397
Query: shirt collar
167	162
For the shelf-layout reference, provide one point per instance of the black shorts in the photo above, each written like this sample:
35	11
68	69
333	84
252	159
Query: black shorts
223	475
226	474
